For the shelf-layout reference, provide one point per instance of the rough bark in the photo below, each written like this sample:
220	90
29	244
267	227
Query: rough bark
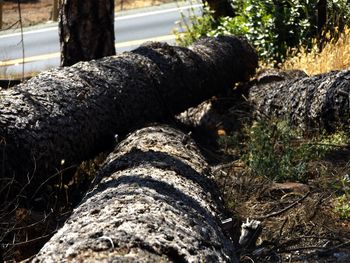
153	201
71	113
318	102
86	30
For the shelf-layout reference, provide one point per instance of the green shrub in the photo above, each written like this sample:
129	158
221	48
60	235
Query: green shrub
342	202
277	151
342	206
196	27
272	26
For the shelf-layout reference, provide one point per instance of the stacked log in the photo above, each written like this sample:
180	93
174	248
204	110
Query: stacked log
153	201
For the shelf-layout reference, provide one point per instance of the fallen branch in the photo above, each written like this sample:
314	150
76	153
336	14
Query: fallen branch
284	209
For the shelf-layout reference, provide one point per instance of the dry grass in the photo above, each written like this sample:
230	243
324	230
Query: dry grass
40	11
131	4
334	56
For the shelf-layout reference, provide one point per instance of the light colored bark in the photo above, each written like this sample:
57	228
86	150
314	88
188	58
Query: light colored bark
153	201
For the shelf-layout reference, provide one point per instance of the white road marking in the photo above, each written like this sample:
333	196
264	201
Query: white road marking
158	12
14	62
52	28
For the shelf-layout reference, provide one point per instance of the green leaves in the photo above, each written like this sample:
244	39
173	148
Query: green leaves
273	26
277	151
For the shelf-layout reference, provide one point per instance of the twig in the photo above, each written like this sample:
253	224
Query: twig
335	247
284	209
299	248
22	39
49	178
11	26
31	240
321	249
319	237
281	229
225	166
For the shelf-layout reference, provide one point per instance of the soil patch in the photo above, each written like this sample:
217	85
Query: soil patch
40	11
299	220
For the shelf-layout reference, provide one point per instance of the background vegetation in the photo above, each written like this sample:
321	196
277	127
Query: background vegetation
274	27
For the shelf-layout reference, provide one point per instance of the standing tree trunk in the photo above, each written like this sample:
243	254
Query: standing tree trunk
321	15
220	7
152	202
1	10
86	30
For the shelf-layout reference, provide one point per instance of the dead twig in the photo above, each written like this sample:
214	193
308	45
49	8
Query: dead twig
235	163
22	38
331	249
31	240
282	227
284	209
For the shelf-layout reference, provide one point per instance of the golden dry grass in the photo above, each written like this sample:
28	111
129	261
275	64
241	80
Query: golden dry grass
334	56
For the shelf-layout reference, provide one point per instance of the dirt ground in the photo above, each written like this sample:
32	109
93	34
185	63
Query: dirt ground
298	220
40	11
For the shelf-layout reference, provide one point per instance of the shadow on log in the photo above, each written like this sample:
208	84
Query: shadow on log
152	202
318	102
65	115
8	83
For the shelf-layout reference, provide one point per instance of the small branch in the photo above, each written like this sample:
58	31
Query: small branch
31	240
22	40
284	209
11	26
335	247
49	178
1	10
225	166
299	248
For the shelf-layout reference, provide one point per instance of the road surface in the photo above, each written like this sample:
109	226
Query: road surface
131	29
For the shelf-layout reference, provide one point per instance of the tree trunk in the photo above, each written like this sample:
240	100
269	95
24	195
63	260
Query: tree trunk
318	102
153	202
66	115
221	8
86	30
321	16
1	10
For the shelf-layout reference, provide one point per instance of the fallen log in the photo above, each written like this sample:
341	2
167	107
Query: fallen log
317	102
65	115
153	201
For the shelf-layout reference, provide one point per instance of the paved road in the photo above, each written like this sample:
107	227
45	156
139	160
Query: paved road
131	28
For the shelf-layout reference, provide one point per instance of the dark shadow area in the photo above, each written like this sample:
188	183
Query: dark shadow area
217	123
8	83
160	160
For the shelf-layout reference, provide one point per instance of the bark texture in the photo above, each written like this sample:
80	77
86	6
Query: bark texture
318	102
153	201
71	113
86	30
